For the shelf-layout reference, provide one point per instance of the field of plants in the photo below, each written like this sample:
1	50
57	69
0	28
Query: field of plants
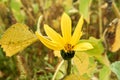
59	39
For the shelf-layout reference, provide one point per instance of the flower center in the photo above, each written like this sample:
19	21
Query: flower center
68	52
68	47
67	55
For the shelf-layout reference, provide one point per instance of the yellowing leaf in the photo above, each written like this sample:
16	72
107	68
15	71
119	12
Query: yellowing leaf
81	60
75	77
116	44
112	35
16	38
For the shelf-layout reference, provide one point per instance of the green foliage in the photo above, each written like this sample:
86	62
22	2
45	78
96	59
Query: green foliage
7	65
115	67
97	51
16	8
40	62
84	9
3	0
104	73
97	44
1	54
35	8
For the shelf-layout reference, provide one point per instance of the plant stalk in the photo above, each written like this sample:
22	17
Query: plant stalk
21	68
69	67
115	9
100	19
58	68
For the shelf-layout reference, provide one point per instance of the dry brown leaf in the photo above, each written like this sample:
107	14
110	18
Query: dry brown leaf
16	38
112	35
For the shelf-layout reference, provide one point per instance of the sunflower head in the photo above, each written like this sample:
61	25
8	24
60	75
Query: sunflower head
67	43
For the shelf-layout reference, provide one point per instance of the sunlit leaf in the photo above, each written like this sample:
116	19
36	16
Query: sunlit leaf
97	44
84	9
97	51
81	61
92	66
75	77
85	64
104	73
16	38
115	67
103	59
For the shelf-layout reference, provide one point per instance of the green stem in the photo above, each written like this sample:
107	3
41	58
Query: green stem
107	62
69	67
115	9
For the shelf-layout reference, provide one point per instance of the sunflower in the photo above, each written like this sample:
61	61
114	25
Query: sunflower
67	43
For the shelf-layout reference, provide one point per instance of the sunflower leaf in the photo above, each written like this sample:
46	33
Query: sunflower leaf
97	44
16	38
115	67
104	73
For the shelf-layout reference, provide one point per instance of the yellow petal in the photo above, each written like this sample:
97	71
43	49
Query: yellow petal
54	36
83	46
77	33
48	43
66	27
